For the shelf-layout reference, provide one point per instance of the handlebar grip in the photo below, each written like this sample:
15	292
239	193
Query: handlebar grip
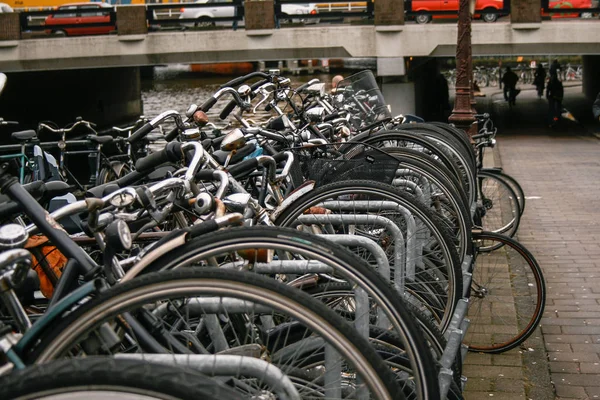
208	104
315	131
171	153
244	166
279	157
173	133
302	87
268	107
228	109
140	133
331	116
205	175
242	79
258	84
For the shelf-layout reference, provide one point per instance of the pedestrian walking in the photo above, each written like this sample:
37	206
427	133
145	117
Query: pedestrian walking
237	11
596	107
554	93
539	80
555	67
510	80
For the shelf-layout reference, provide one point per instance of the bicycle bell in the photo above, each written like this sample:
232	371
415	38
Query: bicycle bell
233	140
12	236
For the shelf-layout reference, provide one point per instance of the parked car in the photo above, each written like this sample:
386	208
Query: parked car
5	8
203	16
562	4
82	15
483	9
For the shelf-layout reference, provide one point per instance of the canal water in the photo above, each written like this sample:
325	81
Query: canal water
176	88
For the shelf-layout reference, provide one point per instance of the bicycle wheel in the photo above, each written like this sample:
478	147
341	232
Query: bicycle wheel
507	295
110	379
340	294
500	201
292	255
412	237
402	138
207	311
437	192
514	184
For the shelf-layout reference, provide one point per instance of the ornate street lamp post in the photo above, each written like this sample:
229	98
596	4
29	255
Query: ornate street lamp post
462	114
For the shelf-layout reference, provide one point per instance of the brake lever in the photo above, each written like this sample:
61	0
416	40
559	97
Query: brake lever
265	97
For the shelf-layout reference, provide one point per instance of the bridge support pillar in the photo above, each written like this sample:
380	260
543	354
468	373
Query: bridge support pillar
259	14
131	20
105	96
591	78
10	27
525	11
399	93
389	12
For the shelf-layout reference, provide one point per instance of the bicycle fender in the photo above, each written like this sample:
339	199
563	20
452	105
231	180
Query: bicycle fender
296	194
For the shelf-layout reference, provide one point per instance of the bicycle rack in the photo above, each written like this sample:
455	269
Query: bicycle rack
459	324
227	366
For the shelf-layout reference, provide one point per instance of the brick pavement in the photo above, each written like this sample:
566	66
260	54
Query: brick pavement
561	227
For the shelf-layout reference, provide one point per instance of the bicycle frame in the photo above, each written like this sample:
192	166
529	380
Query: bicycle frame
23	160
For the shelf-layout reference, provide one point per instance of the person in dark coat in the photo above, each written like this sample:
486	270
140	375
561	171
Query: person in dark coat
555	67
509	80
596	107
554	93
539	80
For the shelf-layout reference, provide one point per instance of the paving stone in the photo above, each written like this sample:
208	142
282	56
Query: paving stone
563	233
475	371
564	367
573	392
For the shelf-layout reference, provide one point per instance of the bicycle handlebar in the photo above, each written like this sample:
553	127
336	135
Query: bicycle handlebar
61	131
242	79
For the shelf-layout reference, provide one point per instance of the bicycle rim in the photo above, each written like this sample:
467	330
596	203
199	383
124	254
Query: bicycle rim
508	295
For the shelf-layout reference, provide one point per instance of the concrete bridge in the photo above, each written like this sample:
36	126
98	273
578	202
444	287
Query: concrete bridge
387	43
108	65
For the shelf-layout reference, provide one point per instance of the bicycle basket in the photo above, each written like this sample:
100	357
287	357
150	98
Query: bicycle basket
327	164
362	90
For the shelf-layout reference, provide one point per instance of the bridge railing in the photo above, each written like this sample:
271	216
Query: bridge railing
228	14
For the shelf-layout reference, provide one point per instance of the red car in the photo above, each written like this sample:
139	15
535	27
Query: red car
481	6
82	15
565	4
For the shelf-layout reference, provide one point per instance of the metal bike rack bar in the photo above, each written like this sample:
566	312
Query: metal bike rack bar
227	365
383	266
343	219
459	315
367	205
412	186
216	305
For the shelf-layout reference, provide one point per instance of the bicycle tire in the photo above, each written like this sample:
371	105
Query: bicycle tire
456	213
346	265
508	286
77	377
451	266
249	287
514	184
434	337
398	137
502	207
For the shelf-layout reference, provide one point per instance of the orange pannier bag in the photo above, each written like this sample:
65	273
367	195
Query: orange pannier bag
48	263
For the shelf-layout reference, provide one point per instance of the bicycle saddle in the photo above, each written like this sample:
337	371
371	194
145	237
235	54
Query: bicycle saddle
24	136
100	139
221	156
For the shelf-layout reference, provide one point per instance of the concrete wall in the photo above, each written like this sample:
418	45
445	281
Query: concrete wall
108	96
